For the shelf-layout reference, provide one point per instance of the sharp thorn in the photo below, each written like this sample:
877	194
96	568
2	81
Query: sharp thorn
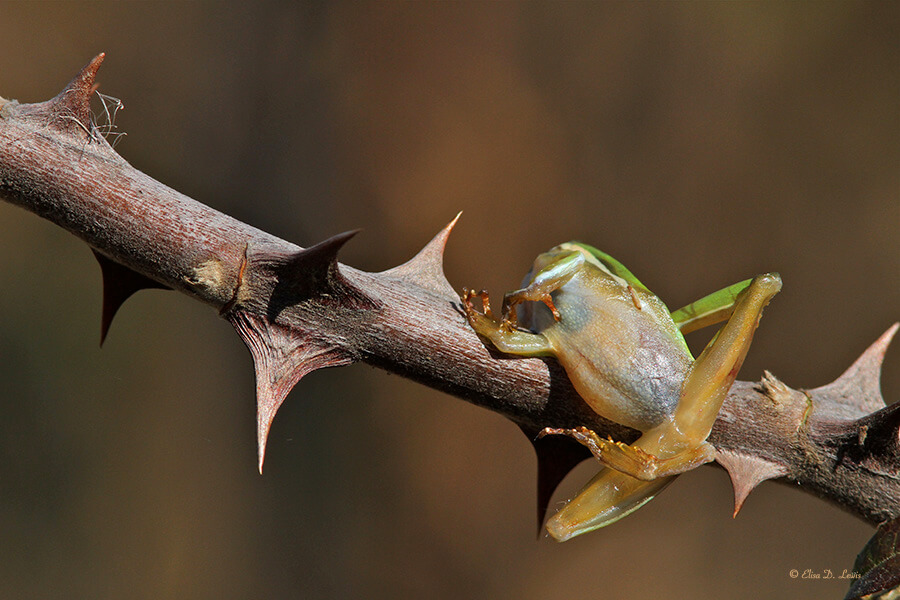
119	284
426	268
282	355
72	106
746	473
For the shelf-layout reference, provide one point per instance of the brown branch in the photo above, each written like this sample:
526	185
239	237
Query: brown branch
299	310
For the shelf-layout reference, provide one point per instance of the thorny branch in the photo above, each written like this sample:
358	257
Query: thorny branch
299	310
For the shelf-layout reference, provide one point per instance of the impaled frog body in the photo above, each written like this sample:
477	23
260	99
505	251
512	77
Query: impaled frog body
626	356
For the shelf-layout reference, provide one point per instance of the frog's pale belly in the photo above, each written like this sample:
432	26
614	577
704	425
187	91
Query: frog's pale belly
619	358
639	396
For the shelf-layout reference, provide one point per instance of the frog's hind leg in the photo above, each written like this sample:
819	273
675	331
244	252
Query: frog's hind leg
712	374
608	497
709	310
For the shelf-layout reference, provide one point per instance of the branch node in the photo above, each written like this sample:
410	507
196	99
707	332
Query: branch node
238	294
775	390
209	277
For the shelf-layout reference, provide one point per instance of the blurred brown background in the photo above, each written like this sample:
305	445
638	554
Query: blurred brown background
698	143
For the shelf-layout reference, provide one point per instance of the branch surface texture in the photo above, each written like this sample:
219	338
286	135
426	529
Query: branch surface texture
299	310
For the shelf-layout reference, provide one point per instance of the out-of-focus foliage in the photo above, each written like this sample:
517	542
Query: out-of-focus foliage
878	564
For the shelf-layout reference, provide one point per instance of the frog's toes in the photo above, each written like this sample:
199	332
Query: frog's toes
584	436
468	295
506	326
620	456
472	313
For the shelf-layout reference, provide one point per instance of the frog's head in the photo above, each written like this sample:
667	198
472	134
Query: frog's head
604	262
564	261
563	252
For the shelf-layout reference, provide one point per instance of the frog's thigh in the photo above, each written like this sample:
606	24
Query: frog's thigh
714	371
608	497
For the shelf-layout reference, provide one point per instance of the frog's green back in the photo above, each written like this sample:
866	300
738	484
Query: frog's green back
614	266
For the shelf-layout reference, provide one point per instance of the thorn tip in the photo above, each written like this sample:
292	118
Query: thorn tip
71	108
746	473
426	268
282	355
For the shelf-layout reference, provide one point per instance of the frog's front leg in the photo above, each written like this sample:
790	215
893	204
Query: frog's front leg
502	333
545	282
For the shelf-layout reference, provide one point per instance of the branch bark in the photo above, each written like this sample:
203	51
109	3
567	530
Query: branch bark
299	310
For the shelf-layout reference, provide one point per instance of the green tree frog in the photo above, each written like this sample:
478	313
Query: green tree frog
626	356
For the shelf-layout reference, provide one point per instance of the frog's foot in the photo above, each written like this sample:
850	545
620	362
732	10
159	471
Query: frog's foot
633	460
503	333
483	321
468	295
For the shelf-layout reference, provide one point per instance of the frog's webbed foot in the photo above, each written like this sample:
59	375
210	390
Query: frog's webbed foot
633	460
502	333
